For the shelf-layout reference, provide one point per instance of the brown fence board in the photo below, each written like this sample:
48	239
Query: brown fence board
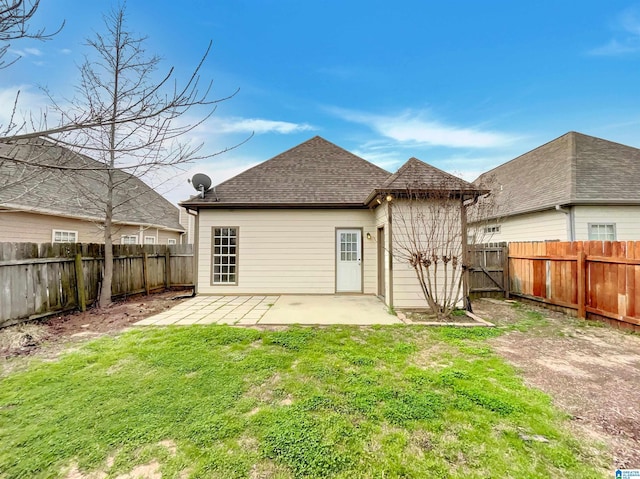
36	280
549	272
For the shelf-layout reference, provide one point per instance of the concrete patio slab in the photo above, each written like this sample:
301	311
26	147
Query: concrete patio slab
321	310
275	310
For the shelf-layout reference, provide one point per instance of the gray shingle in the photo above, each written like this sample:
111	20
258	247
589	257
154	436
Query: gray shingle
416	174
77	193
574	168
316	172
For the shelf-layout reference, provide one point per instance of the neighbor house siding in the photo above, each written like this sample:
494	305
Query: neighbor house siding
407	292
539	226
626	219
285	251
18	226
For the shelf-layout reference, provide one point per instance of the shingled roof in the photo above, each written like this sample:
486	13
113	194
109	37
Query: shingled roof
572	169
77	192
314	173
416	174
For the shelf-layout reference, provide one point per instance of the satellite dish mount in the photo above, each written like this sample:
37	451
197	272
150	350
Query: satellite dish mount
201	183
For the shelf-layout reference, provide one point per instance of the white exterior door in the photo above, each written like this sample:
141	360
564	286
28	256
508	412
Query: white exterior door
348	261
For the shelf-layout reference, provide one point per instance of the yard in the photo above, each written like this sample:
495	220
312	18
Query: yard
217	401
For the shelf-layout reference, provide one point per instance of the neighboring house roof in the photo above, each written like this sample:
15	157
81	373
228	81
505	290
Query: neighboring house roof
572	169
318	173
76	193
314	173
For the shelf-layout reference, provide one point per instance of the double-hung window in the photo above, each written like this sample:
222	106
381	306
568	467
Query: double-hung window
62	236
225	255
129	239
602	231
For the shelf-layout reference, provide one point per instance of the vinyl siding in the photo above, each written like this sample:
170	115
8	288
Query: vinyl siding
407	292
285	251
539	226
626	219
17	226
381	216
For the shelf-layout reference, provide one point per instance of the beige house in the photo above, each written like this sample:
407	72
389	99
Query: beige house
576	187
62	200
315	219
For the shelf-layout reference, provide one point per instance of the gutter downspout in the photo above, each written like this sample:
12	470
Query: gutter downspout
390	223
571	221
196	246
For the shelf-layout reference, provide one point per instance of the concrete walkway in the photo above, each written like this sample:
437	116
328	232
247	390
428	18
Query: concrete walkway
275	310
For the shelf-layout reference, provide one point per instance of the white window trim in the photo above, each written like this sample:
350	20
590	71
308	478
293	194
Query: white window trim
613	225
171	241
153	238
53	236
227	255
492	229
122	241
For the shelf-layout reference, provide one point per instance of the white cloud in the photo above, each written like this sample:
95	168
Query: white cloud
627	38
66	51
33	51
417	128
27	52
29	103
257	125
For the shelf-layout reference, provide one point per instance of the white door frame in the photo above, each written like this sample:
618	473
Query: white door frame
349	274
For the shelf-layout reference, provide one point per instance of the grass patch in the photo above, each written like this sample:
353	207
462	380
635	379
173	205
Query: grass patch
303	402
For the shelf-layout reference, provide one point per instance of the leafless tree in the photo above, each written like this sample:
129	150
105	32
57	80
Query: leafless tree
430	235
139	121
129	118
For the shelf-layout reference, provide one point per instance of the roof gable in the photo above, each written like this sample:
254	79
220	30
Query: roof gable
77	192
316	172
416	174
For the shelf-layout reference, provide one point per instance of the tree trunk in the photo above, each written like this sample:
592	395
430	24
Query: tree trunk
107	270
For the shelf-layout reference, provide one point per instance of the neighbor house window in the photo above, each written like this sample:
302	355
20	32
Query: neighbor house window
149	240
492	229
129	239
62	236
602	231
171	241
225	255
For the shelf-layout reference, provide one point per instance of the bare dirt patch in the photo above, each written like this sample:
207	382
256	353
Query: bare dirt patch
55	332
591	371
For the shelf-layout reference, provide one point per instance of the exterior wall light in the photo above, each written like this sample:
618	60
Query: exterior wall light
368	235
389	197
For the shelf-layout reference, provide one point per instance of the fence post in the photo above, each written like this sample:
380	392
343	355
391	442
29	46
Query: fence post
167	268
82	300
145	271
505	270
581	279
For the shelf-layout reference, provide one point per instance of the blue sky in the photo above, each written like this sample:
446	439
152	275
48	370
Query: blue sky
463	85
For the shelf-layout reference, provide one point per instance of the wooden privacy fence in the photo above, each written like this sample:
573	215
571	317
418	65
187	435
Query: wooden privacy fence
593	278
41	279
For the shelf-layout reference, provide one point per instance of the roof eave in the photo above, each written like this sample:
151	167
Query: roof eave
240	205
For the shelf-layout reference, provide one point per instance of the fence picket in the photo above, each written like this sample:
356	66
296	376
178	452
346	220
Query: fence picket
37	280
595	278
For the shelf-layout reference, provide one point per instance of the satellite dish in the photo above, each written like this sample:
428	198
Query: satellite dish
201	183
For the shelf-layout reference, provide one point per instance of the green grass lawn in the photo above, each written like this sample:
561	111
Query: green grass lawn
306	402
